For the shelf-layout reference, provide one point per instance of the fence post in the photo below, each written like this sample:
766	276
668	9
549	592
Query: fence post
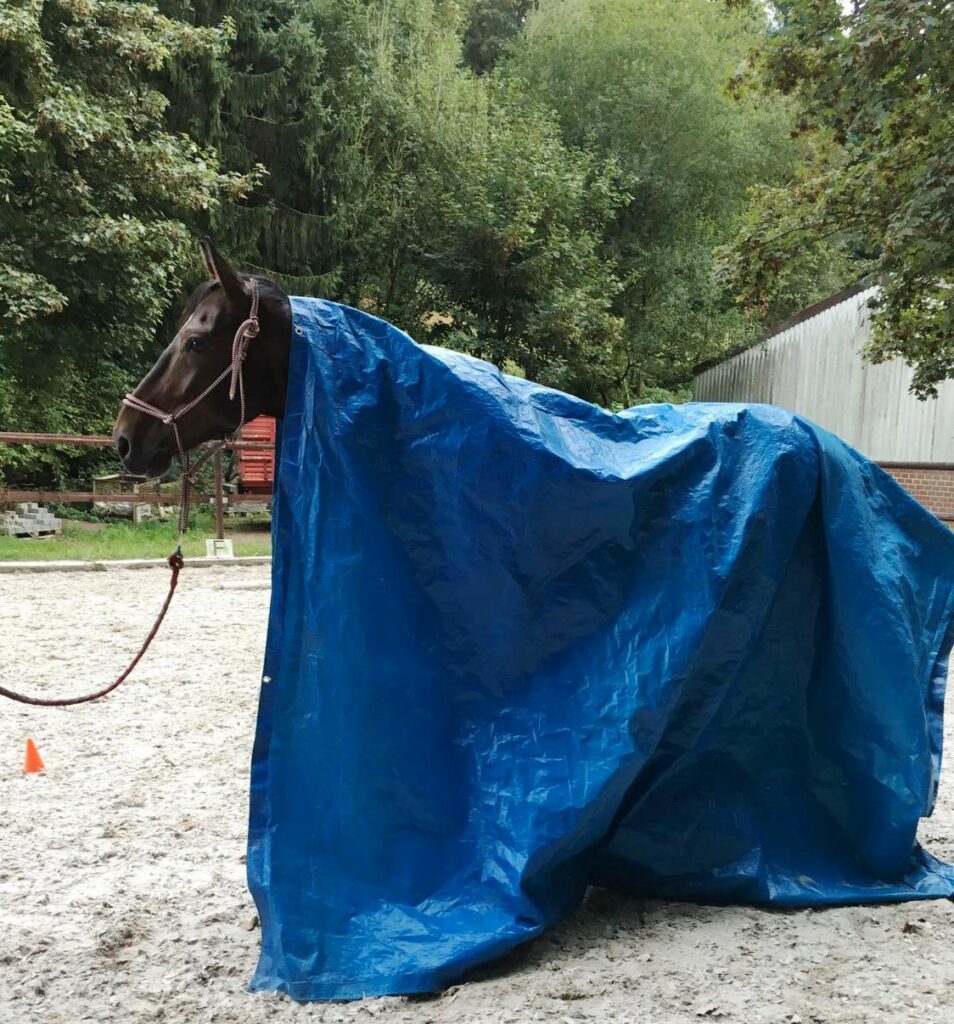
219	502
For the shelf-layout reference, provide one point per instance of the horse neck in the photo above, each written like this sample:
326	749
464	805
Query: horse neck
274	351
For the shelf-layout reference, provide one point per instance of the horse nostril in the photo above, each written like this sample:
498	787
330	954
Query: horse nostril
122	446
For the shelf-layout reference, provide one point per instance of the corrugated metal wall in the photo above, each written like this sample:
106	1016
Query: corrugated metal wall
815	369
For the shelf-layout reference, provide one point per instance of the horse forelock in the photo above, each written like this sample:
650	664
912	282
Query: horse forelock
197	296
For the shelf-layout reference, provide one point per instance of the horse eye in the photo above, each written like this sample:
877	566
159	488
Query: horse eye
195	345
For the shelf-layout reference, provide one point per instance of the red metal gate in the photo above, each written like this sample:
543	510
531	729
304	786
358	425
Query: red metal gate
256	467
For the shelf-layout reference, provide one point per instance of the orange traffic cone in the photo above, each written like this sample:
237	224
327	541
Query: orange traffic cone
33	762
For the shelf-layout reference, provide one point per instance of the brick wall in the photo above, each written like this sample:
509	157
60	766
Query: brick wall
933	486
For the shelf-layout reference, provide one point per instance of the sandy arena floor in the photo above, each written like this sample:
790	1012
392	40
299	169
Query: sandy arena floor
122	875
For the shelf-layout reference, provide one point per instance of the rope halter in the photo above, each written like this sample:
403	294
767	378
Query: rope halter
247	330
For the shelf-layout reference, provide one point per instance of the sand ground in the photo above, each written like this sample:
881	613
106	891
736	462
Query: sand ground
122	867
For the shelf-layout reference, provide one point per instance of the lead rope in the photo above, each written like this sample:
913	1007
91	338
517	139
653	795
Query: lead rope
175	564
247	330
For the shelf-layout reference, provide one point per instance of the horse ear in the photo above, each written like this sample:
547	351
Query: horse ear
221	270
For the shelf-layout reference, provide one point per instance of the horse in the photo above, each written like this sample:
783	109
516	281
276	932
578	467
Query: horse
159	421
533	645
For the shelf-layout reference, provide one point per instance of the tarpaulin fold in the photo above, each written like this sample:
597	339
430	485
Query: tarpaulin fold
519	645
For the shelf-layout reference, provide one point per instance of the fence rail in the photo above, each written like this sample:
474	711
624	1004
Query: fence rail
87	440
147	498
101	441
219	497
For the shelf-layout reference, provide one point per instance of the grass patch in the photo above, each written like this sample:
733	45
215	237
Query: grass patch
152	539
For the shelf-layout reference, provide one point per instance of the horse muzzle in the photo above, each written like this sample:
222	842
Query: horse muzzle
142	456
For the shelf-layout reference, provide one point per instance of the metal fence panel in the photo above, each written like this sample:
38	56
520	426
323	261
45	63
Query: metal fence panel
815	368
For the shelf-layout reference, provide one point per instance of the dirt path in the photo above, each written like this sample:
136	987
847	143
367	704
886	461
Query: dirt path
122	875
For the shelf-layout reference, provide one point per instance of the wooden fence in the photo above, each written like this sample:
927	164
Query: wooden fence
219	497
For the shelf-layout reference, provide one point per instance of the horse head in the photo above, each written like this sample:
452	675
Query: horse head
199	353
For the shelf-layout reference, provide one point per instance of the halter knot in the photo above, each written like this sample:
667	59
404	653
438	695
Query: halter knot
248	330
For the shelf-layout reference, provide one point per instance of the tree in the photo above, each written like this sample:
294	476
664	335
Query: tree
645	84
490	27
400	182
539	184
96	201
875	87
522	269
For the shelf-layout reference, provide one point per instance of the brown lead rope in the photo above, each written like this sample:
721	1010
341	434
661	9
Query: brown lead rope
243	336
175	564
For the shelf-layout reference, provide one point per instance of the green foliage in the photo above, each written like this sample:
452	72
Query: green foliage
540	184
875	87
402	183
95	200
577	247
151	539
268	104
644	83
522	270
490	28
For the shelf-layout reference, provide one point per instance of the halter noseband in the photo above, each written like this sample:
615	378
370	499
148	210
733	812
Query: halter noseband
247	330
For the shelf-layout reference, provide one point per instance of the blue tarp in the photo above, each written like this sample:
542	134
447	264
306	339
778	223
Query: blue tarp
519	645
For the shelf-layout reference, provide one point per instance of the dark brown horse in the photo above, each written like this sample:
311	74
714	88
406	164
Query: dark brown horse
199	352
